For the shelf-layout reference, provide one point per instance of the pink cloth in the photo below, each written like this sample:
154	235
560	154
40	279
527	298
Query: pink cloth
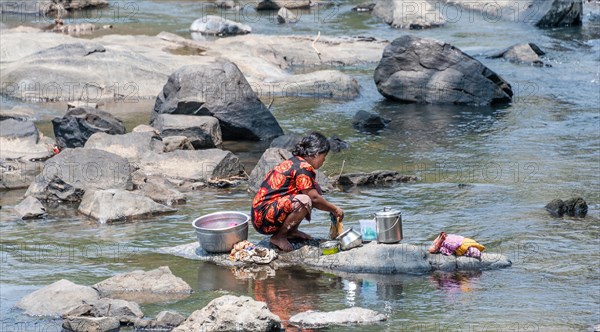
451	243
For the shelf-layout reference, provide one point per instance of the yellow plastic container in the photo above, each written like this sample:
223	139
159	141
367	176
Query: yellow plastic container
330	247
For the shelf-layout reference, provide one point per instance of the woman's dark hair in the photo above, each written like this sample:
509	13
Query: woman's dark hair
311	145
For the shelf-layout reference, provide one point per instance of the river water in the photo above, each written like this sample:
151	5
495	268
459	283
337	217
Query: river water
513	160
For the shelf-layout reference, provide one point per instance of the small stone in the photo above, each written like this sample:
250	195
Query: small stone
169	319
30	208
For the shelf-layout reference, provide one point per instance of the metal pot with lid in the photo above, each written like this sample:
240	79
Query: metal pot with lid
389	225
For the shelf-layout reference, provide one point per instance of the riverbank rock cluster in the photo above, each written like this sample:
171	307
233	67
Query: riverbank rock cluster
113	303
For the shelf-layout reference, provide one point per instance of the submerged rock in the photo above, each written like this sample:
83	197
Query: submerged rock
218	90
76	127
350	316
124	311
573	207
219	26
374	178
277	4
68	175
231	313
157	285
57	299
369	121
111	205
30	208
521	53
165	320
420	70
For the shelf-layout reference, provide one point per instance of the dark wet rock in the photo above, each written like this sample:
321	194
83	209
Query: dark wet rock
49	7
161	191
336	144
111	205
232	313
540	13
271	158
227	4
576	207
194	165
22	140
402	14
286	16
374	178
277	4
173	143
69	174
369	121
203	131
218	90
573	207
18	173
219	26
76	127
521	53
30	208
556	207
91	324
350	316
420	70
287	141
57	299
131	145
365	7
157	285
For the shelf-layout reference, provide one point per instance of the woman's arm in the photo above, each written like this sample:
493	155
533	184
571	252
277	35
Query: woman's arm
321	203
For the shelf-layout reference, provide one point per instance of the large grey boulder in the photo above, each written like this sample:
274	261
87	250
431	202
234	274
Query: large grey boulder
157	285
540	13
110	205
91	324
521	53
203	131
130	146
57	299
420	70
193	165
232	313
76	127
30	208
408	14
271	158
69	174
219	26
350	316
218	90
22	140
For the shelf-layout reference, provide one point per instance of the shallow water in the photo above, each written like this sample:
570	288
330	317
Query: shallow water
514	160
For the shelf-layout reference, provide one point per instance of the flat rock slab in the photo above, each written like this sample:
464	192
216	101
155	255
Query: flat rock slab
157	285
350	316
369	258
30	208
91	324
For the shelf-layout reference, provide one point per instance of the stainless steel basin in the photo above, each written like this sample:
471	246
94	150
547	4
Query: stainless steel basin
218	232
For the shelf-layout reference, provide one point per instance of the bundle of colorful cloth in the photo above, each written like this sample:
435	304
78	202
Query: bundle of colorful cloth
449	244
247	252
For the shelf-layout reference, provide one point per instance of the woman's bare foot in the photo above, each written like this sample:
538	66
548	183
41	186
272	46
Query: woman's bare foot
282	243
296	234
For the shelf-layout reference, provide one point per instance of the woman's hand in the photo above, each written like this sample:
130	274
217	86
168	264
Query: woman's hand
338	213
